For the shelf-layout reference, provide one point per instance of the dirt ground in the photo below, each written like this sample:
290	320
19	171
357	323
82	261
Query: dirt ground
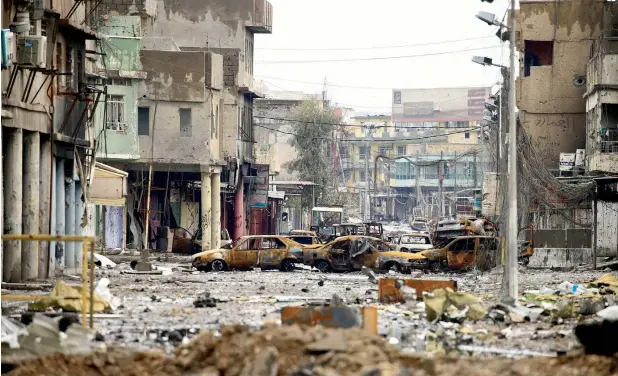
157	312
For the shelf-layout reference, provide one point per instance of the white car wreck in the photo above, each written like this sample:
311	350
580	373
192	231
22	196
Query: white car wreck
414	242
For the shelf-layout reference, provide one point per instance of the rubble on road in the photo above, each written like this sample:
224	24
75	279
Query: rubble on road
69	298
296	351
449	305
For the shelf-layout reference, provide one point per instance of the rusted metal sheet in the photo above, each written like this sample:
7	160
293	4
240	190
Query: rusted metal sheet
388	292
333	317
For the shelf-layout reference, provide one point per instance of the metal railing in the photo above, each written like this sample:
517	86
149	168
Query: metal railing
609	146
87	245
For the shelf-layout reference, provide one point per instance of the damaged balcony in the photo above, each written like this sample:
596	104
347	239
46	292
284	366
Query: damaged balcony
262	17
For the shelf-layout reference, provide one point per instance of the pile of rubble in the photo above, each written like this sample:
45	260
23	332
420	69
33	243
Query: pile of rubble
292	350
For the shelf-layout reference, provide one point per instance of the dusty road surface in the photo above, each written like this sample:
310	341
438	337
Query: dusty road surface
160	312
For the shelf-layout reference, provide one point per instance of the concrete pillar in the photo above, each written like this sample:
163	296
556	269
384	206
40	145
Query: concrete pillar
215	179
206	211
60	213
13	161
69	258
30	204
45	191
79	212
239	212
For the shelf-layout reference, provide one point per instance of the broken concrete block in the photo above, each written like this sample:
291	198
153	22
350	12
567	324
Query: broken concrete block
143	267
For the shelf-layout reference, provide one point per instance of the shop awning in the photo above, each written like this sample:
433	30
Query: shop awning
109	186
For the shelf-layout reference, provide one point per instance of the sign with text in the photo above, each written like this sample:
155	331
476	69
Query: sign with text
567	161
412	109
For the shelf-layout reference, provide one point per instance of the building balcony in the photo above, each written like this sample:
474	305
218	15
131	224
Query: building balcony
602	69
432	181
262	17
605	158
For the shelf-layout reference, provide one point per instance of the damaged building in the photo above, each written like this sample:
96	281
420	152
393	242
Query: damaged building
179	117
50	96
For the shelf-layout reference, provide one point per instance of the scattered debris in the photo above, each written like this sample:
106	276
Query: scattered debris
205	300
389	288
26	286
453	306
369	273
332	317
69	298
103	262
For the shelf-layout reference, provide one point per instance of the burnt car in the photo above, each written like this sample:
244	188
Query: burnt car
247	252
350	253
464	253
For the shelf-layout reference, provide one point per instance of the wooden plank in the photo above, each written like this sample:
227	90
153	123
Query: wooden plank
389	293
332	317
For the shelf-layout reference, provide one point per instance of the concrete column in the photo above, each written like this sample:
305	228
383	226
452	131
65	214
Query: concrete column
13	161
79	212
45	191
60	213
206	211
215	179
69	257
30	204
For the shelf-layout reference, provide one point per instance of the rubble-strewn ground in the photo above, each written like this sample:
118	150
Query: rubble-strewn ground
158	310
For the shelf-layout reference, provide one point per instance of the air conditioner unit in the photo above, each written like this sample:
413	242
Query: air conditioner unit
32	50
8	48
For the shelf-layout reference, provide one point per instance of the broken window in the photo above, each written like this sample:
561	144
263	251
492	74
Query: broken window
114	117
68	68
537	53
59	65
143	121
362	176
609	128
185	122
272	243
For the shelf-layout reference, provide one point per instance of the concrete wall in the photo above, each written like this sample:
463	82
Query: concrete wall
552	108
607	227
169	145
560	257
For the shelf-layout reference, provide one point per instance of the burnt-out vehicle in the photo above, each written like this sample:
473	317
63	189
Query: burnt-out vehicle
351	253
465	253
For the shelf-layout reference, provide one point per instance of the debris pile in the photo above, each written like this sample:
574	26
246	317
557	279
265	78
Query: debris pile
292	350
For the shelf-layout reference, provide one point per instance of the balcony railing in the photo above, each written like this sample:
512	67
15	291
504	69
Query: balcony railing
609	146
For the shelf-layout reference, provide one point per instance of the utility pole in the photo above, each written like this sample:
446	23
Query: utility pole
441	183
367	202
512	171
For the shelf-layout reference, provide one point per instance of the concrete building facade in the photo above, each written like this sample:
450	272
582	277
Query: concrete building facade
554	40
47	136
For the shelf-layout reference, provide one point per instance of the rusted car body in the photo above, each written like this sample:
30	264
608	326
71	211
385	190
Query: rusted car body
414	242
465	252
446	229
247	252
349	253
187	243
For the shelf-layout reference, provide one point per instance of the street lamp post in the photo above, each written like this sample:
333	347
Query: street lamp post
511	235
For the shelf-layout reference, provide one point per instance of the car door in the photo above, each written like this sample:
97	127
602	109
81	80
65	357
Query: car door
272	252
462	253
246	254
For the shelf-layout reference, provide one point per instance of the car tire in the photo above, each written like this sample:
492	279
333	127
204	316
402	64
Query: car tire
287	265
435	267
394	266
322	265
218	266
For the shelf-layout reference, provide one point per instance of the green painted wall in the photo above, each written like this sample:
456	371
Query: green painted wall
122	61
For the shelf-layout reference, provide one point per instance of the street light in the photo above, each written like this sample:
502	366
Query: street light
487	61
511	235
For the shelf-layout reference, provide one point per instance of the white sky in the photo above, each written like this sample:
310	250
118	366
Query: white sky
336	24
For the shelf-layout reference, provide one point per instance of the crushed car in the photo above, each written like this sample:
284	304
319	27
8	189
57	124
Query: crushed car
351	253
248	252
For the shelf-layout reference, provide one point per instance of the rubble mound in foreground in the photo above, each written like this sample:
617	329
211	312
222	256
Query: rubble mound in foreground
291	350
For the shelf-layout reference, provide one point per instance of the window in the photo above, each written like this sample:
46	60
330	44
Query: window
401	150
59	64
343	151
115	113
362	152
362	176
386	150
185	122
68	67
537	53
462	124
467	134
143	121
272	243
249	56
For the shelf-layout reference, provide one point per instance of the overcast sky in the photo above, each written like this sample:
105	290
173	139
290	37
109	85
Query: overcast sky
340	26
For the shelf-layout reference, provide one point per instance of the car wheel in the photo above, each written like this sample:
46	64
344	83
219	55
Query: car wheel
287	266
435	267
322	265
218	266
394	267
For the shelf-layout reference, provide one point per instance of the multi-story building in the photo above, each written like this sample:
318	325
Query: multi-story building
48	102
194	114
555	41
274	125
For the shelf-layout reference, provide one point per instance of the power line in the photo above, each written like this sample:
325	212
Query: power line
376	47
375	57
363	140
339	124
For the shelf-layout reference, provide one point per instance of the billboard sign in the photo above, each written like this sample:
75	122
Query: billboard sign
413	109
567	161
439	105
